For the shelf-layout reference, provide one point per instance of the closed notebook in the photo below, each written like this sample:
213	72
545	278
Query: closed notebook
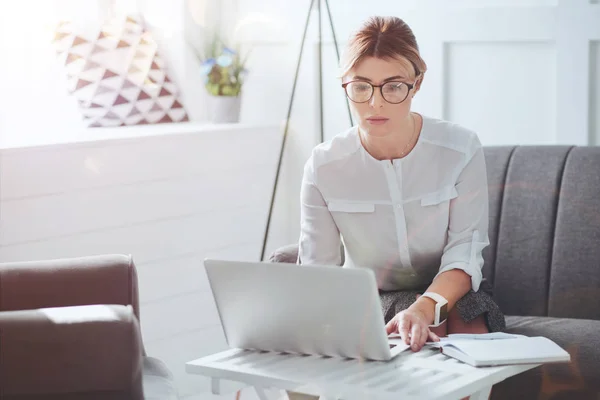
517	350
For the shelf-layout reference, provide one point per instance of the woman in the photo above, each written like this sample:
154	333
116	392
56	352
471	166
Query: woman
406	193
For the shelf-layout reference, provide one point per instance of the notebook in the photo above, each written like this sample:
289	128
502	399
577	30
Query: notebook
501	349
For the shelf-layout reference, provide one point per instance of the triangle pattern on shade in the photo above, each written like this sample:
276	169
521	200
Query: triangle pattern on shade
133	120
122	44
115	83
81	83
84	49
86	92
136	78
130	94
134	111
176	104
143	95
103	89
111	115
122	110
158	76
156	107
58	36
98	49
144	105
90	65
79	40
146	50
154	116
177	114
94	74
109	74
133	69
165	119
164	92
120	100
71	58
146	40
165	101
128	84
114	60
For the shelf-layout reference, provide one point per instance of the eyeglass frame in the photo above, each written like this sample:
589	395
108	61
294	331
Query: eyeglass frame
410	86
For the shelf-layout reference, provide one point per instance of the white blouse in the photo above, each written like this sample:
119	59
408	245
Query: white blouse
409	219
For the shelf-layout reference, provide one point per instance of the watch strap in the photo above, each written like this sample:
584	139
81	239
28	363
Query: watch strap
438	298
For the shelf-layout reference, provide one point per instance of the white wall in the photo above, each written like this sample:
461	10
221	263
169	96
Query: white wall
516	71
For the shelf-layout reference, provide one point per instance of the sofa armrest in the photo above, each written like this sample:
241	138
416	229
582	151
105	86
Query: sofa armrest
285	254
103	279
289	254
66	351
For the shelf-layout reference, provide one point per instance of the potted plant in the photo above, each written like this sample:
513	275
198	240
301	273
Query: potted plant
223	70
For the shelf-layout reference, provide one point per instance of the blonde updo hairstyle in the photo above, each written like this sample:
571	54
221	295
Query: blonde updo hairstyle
388	38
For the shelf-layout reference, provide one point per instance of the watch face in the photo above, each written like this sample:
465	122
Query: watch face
444	312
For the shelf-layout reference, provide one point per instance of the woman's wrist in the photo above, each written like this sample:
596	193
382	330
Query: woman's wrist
426	307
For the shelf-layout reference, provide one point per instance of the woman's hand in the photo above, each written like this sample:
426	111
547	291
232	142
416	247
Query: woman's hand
413	326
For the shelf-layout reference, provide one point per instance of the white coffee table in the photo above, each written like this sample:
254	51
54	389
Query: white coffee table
427	374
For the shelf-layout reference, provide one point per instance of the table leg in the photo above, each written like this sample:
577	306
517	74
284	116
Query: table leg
483	394
215	386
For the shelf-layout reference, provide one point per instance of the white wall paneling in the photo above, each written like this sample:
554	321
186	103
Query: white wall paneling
504	100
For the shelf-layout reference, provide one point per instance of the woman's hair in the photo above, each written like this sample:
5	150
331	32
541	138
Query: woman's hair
386	38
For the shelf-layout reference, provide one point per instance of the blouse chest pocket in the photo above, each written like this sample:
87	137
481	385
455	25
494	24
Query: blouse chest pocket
443	195
349	207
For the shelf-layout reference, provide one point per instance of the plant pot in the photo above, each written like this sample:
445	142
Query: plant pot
224	109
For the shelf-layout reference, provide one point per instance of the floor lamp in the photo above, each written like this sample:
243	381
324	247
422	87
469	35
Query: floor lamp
313	4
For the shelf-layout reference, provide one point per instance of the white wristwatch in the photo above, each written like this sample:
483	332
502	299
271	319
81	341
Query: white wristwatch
441	308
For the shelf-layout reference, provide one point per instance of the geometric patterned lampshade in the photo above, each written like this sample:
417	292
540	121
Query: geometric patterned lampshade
117	74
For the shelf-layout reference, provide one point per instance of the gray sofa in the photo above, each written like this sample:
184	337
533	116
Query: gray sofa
544	261
69	329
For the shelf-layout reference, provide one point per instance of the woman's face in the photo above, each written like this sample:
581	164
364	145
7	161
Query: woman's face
379	117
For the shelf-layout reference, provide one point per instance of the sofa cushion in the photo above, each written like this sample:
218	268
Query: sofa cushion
575	276
579	379
77	352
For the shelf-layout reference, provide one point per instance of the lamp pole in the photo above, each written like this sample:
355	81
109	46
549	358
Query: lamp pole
314	4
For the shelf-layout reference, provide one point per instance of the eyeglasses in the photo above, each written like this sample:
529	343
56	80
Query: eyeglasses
392	92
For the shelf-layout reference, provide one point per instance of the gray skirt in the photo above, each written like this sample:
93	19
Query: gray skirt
469	307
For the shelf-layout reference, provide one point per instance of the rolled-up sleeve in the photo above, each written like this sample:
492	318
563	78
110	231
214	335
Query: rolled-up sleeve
468	220
320	241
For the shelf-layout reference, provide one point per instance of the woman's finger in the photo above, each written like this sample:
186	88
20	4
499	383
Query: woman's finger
424	336
404	329
415	339
433	337
392	326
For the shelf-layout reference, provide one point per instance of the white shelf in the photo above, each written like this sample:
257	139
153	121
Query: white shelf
52	137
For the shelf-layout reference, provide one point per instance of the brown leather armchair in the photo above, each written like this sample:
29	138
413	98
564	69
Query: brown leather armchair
69	329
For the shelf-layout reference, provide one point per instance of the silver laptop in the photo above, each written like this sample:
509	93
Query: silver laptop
318	310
